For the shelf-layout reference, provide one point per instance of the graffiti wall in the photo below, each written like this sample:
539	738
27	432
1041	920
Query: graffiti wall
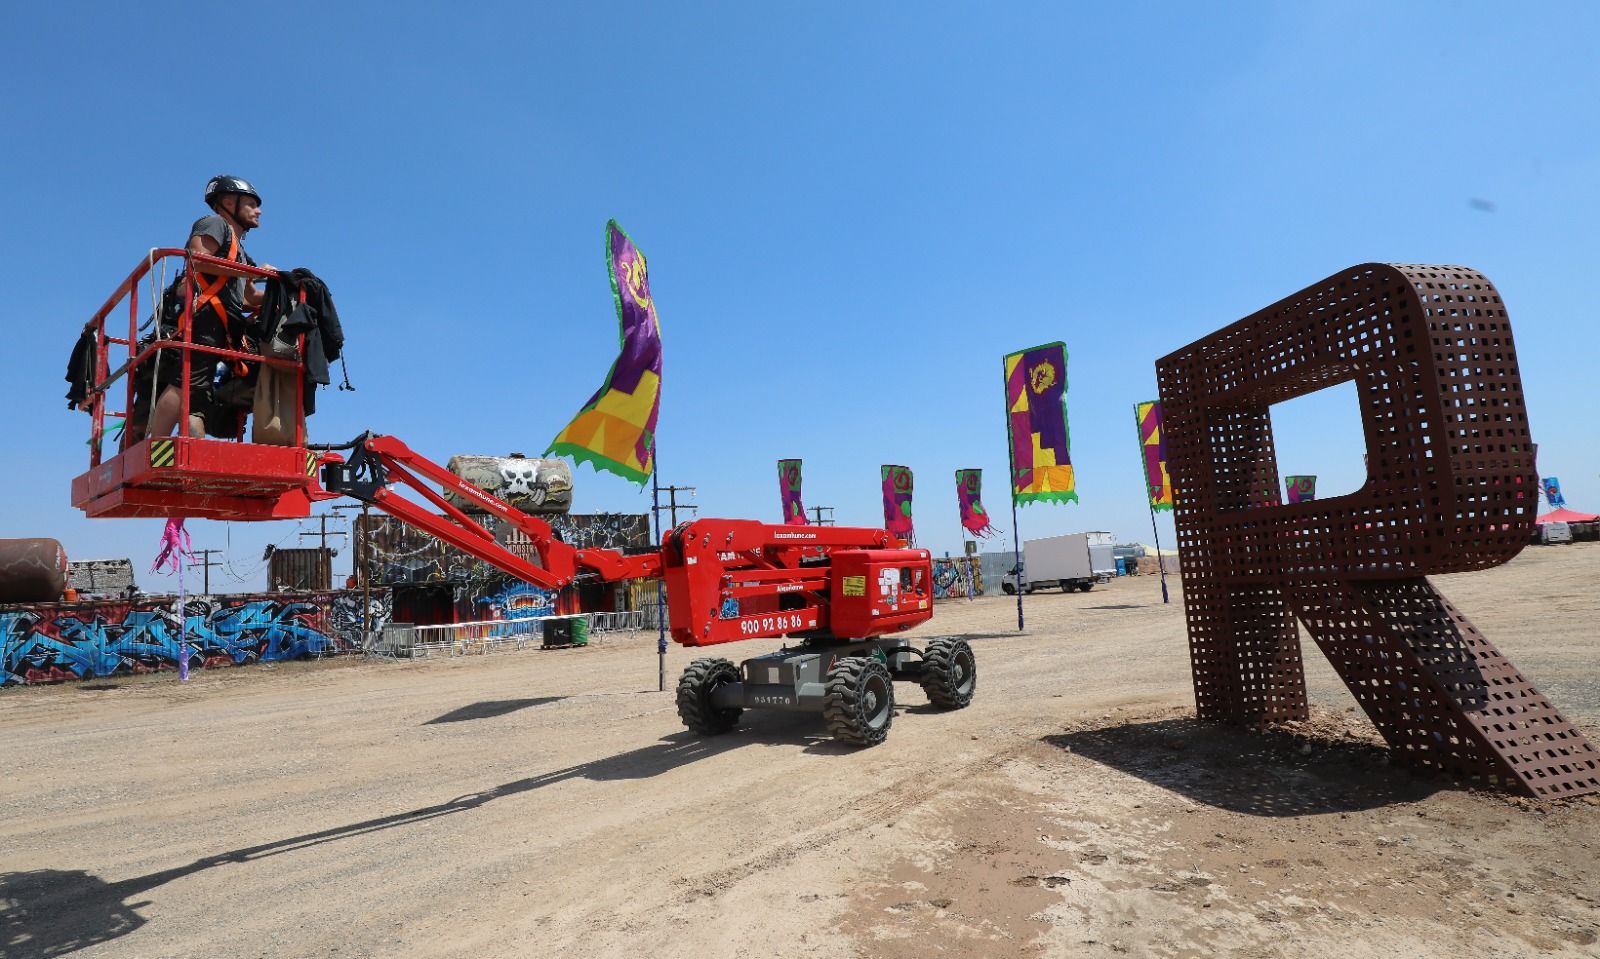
56	642
604	530
395	553
514	599
950	576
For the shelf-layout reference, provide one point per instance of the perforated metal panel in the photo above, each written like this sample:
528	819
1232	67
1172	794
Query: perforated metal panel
1450	487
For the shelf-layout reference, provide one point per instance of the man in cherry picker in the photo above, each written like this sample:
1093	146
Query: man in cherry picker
219	317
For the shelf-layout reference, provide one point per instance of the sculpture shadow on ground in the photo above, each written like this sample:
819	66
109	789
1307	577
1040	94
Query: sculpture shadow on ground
1269	772
55	912
490	708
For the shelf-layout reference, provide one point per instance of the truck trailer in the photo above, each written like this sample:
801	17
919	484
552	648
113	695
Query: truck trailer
1075	561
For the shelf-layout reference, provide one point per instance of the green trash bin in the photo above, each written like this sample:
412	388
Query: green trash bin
557	631
566	631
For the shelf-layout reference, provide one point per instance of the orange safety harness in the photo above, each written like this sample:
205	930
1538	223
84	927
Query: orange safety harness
211	295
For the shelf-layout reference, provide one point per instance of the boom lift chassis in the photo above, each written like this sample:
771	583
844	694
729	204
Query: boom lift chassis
842	592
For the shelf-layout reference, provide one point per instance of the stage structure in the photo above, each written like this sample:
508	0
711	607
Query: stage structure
1450	487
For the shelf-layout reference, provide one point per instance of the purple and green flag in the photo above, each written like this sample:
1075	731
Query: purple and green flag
1552	492
969	495
616	430
794	511
897	503
1299	489
1153	445
1036	417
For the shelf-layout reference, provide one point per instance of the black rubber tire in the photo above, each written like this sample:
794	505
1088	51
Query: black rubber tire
1067	586
949	673
1010	589
1085	587
859	703
694	696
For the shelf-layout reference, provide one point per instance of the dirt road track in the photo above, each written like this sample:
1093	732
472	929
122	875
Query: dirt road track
549	803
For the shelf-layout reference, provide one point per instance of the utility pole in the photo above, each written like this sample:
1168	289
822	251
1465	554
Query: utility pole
672	501
672	506
661	583
323	533
359	565
206	564
816	515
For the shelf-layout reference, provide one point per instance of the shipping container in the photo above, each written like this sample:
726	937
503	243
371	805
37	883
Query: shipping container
300	569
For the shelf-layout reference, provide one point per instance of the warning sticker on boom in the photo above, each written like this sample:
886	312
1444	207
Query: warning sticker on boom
854	586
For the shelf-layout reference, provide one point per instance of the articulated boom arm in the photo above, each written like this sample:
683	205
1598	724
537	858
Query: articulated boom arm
726	579
377	462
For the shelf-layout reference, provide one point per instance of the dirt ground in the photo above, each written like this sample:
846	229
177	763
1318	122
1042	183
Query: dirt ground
548	803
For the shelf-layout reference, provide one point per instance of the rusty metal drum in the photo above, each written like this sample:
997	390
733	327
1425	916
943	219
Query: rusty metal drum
32	570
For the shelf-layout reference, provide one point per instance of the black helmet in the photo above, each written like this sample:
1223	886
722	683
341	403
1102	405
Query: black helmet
221	185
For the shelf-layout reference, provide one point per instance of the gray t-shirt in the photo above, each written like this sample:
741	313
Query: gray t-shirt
218	229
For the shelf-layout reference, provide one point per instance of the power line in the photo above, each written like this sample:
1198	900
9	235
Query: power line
255	570
358	563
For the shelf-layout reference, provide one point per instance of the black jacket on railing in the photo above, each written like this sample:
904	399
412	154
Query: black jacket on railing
80	369
316	317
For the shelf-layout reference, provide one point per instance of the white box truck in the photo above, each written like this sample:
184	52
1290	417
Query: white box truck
1076	561
1554	533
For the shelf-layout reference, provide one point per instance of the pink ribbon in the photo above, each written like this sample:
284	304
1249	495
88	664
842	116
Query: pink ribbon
174	547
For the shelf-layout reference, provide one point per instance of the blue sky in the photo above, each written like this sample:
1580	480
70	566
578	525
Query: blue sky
851	213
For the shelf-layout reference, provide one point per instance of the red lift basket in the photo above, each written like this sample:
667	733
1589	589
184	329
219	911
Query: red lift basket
180	475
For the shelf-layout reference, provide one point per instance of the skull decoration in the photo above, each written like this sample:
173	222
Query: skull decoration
526	483
519	478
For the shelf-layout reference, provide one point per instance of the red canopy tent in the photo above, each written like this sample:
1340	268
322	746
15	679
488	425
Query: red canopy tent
1564	515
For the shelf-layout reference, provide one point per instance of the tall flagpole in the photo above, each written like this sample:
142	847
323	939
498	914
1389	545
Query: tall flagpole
970	559
1011	481
1160	563
661	584
965	559
1016	548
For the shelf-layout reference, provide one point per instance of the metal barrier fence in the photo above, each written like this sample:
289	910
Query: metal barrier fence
463	639
626	621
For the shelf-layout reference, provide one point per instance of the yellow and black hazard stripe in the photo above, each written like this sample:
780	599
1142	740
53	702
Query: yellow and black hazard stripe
311	463
163	453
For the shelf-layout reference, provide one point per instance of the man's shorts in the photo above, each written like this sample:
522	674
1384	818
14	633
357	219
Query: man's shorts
165	369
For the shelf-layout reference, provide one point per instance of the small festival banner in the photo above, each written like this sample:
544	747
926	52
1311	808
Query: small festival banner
616	430
1299	489
1036	418
1147	417
969	495
897	503
794	511
1153	447
1552	492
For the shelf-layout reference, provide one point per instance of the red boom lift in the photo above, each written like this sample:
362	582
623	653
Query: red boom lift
843	593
